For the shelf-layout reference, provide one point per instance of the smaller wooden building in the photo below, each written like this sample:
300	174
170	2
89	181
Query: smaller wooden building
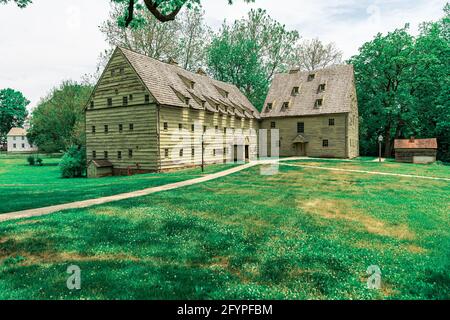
415	150
99	168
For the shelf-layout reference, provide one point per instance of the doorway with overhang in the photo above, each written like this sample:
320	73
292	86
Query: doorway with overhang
300	145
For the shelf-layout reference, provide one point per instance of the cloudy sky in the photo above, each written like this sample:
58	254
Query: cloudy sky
54	40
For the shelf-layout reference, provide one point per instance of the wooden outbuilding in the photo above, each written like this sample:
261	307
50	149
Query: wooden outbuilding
99	168
415	150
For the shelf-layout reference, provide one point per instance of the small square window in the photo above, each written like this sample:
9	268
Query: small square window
94	154
273	125
93	129
319	103
14	146
131	126
180	126
311	77
331	122
321	88
181	152
119	155
110	102
214	152
192	152
92	104
166	153
147	98
325	143
204	129
23	145
295	91
106	154
120	128
125	101
106	128
300	127
130	153
192	127
130	97
166	126
224	130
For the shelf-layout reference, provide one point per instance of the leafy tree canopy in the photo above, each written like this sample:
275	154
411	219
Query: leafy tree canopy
183	39
57	121
20	3
163	10
249	52
13	111
403	87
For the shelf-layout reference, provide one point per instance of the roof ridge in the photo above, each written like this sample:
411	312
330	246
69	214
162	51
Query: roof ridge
178	66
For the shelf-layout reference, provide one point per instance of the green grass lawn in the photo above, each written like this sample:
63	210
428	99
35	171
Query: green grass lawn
27	187
300	234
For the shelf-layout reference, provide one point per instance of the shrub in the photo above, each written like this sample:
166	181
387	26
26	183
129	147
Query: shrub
31	160
73	163
39	161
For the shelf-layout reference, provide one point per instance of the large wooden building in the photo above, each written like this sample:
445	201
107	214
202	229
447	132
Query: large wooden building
315	113
145	116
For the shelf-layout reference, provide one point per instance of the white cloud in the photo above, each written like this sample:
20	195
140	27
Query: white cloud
54	40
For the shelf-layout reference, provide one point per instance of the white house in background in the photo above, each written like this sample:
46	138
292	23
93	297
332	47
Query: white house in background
18	142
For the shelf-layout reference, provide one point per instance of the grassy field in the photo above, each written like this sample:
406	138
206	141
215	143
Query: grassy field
299	234
27	187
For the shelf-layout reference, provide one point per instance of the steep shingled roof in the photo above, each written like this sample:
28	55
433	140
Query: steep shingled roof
336	98
168	85
415	144
18	132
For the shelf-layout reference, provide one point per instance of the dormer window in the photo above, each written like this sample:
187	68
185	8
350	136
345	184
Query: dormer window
187	82
186	100
295	91
319	103
311	77
285	106
222	92
321	88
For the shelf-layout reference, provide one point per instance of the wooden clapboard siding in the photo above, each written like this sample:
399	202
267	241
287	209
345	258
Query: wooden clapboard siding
175	139
353	126
317	129
143	139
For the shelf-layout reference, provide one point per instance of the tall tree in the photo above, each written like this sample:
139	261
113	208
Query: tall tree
183	39
58	120
313	54
234	58
382	70
13	111
431	83
249	52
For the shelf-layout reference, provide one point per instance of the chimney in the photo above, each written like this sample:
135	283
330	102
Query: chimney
172	61
201	72
411	140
